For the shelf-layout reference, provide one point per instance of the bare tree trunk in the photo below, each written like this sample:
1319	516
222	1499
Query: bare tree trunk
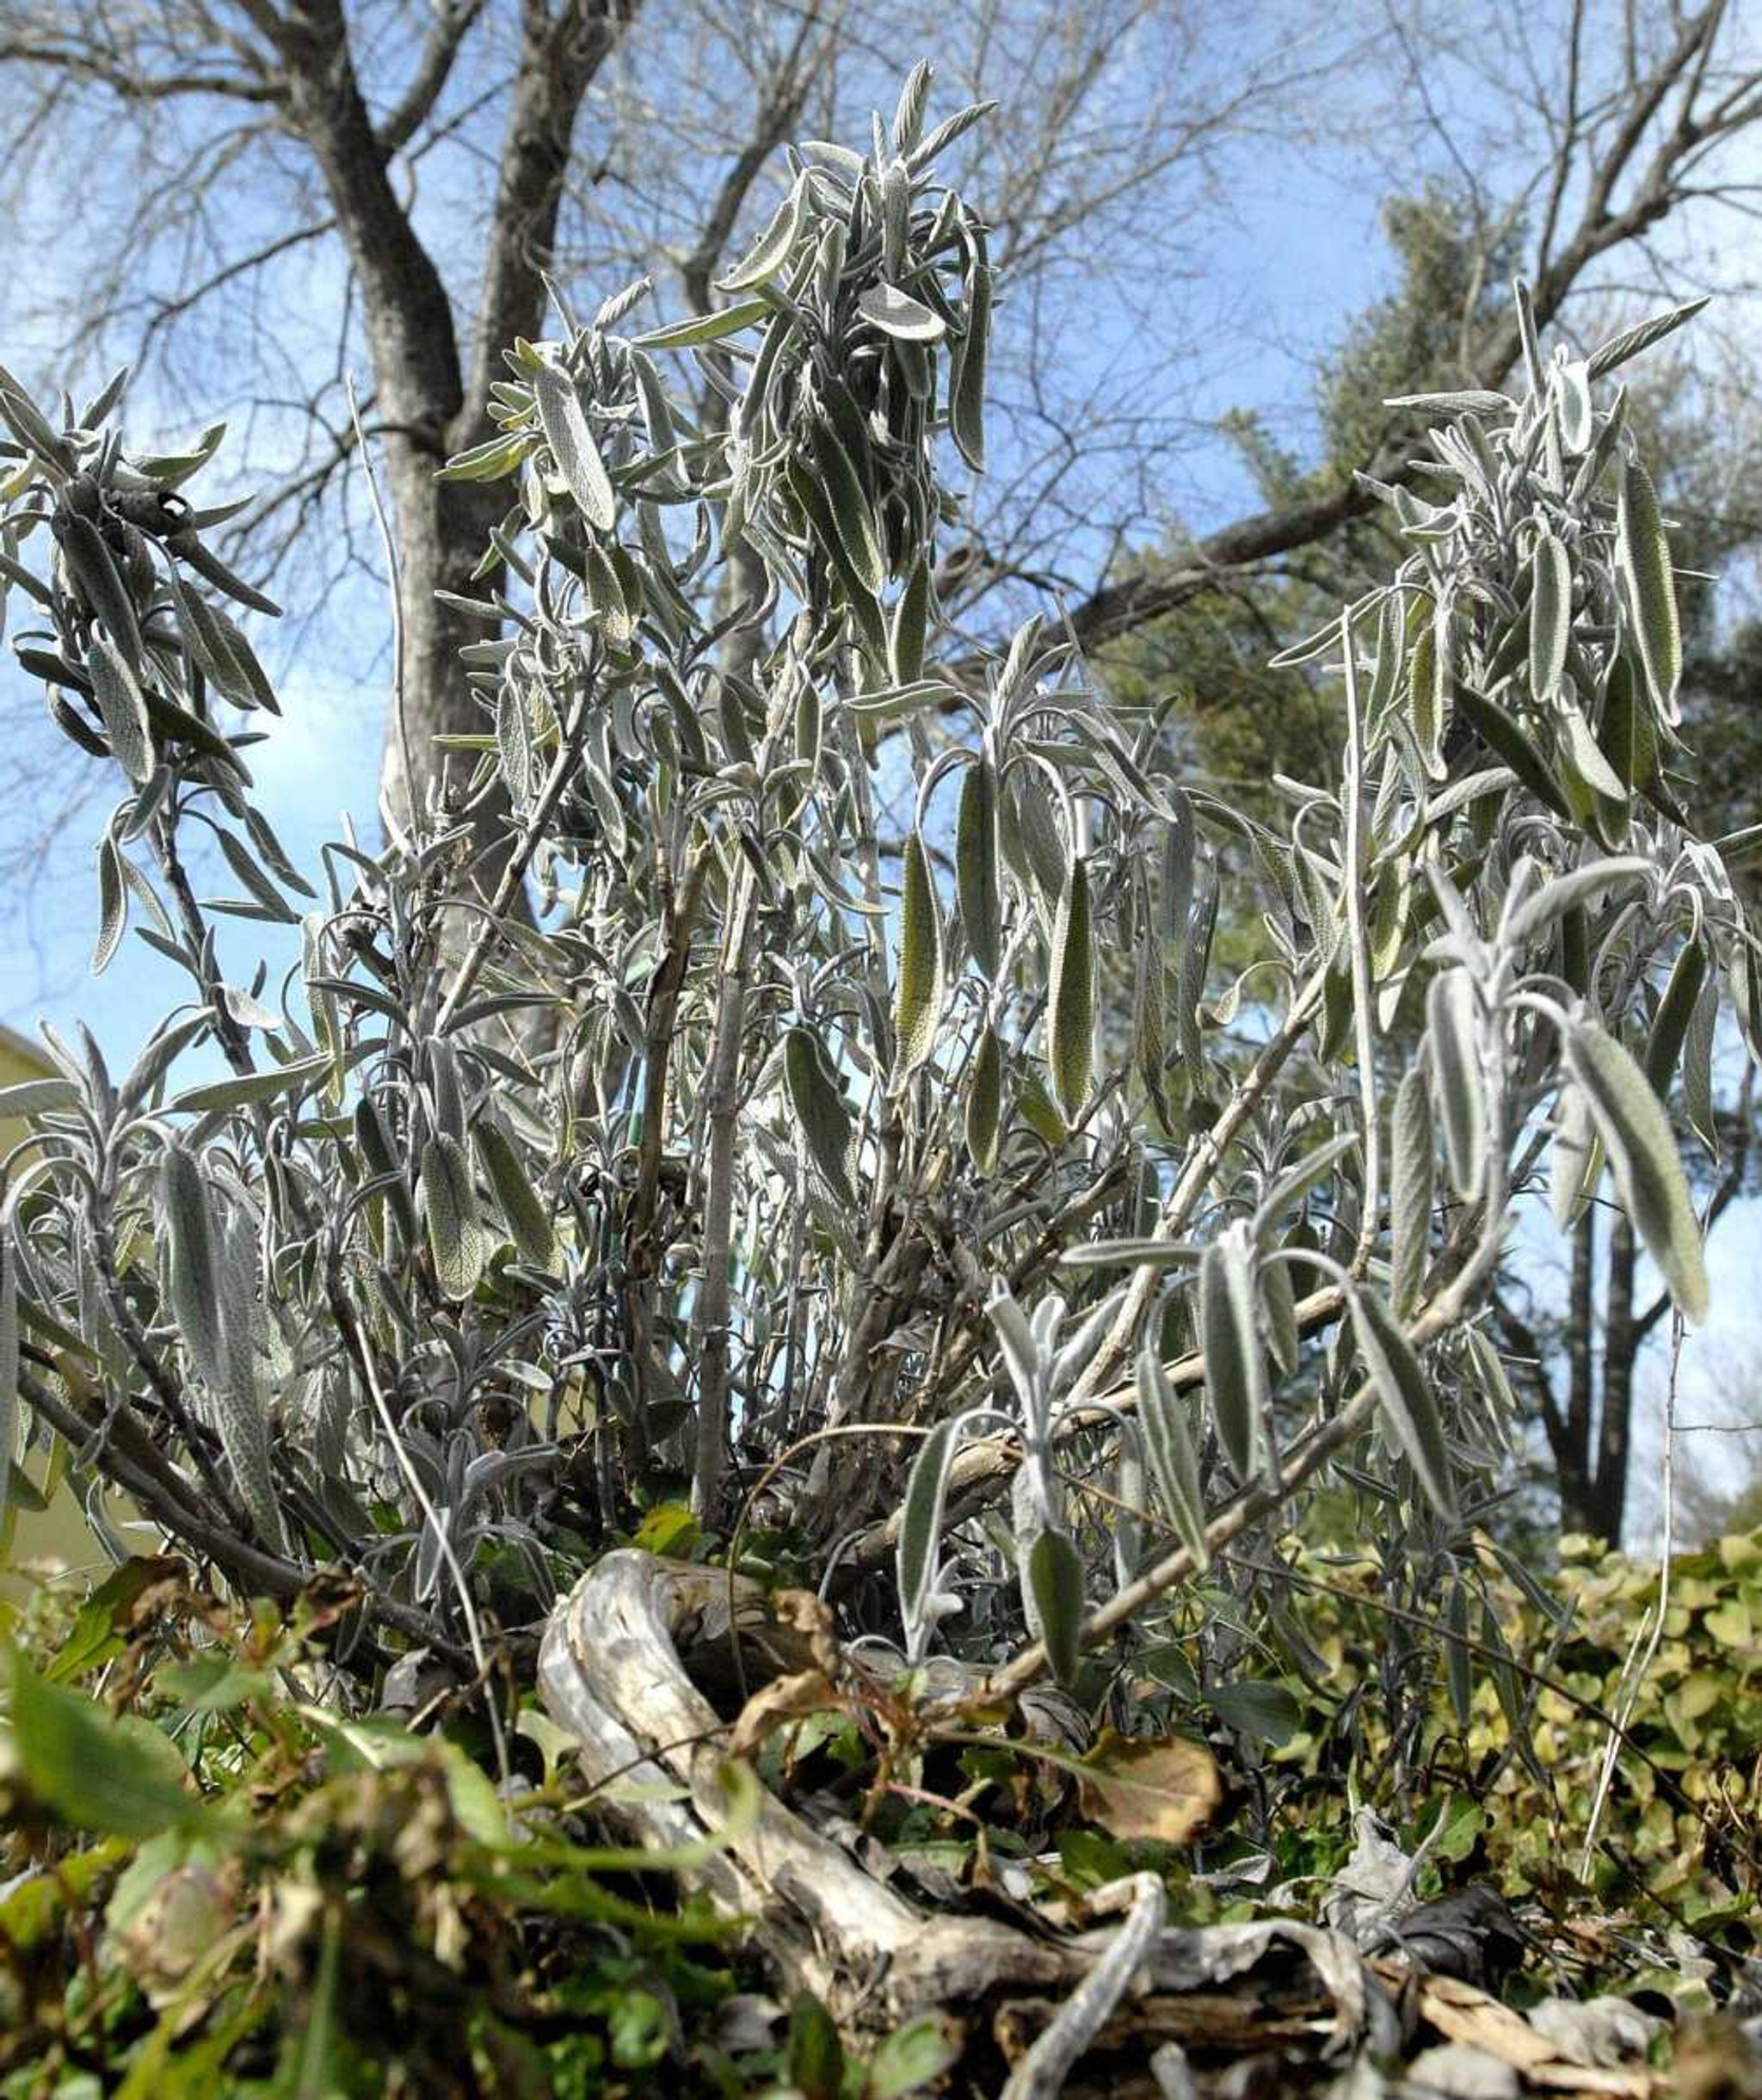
425	405
1614	1432
1573	1457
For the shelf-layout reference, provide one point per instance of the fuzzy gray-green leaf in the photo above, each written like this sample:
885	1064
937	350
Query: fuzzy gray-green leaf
450	1212
1551	616
897	314
1412	1175
820	1108
920	1532
1052	1582
1648	1171
1643	548
984	1108
1174	1465
1235	1363
522	1209
570	438
124	708
917	1008
976	867
1452	1011
1406	1397
1070	1025
193	1268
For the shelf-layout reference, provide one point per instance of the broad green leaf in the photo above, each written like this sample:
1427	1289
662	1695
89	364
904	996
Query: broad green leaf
1229	1339
99	1774
917	1012
1257	1707
1071	1004
1053	1587
913	2057
1174	1465
1648	1171
814	2056
569	436
1642	550
1412	1176
449	1211
1452	1011
977	870
1406	1398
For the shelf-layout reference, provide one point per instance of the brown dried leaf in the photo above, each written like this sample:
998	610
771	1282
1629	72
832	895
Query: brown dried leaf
785	1698
1150	1786
808	1614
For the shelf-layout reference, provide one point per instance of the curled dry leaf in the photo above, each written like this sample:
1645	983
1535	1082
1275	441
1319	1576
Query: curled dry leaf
785	1698
1150	1786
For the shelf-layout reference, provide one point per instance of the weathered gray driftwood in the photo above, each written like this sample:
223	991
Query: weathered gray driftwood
611	1672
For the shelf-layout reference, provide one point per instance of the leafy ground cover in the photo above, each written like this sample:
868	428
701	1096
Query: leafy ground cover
214	1882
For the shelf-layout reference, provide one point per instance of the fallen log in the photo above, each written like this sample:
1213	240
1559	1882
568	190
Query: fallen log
611	1673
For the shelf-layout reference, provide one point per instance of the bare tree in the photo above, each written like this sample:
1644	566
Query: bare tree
456	158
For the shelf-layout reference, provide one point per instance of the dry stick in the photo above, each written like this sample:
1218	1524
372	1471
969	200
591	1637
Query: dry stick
1041	2073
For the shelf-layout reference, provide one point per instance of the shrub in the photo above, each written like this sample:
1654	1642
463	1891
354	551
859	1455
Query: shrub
775	1164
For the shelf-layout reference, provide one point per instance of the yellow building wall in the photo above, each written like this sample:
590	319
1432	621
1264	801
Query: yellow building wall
57	1537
